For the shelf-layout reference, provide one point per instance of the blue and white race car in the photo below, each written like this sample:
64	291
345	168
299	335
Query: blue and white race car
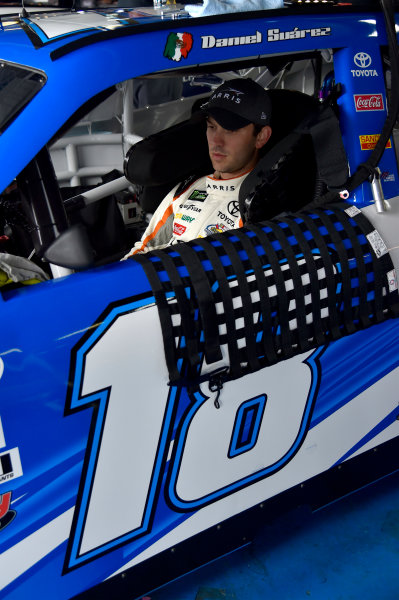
155	412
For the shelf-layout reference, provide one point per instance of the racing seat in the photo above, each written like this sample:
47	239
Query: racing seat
295	168
162	160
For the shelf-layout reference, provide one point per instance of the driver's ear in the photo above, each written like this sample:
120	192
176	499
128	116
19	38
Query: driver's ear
263	136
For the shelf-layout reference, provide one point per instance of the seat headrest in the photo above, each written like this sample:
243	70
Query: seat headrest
169	156
177	152
289	108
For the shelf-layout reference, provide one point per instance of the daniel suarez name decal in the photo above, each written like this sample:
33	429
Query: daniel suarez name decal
272	35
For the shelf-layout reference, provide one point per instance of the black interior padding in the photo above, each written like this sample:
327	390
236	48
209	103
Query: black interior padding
261	294
177	152
285	178
169	156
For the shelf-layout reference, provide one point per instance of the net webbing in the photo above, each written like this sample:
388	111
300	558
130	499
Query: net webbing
270	291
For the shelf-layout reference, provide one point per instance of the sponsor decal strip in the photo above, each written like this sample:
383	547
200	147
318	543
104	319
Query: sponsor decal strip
368	102
364	73
387	176
273	35
368	142
179	229
198	195
6	514
178	46
363	61
209	41
10	465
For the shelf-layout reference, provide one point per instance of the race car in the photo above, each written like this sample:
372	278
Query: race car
157	411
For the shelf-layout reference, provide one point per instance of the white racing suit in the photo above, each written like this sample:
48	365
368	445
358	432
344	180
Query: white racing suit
206	206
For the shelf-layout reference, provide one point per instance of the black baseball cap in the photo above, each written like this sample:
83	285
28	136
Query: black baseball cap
239	102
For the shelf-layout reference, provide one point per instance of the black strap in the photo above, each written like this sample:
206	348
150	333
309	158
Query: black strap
361	268
332	278
332	162
245	297
206	305
164	314
261	171
345	271
185	184
309	257
226	297
295	275
283	302
265	305
185	308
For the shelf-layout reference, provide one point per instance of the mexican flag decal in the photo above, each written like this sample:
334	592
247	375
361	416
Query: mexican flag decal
178	45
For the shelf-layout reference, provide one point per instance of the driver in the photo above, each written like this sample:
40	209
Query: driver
238	126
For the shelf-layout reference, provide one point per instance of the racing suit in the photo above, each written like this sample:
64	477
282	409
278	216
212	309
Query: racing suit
206	206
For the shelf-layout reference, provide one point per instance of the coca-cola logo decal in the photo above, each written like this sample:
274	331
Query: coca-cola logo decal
368	102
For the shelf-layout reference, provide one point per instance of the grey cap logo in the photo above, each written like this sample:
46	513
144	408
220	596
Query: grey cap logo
230	89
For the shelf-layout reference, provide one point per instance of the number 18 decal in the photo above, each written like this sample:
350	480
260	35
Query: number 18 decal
157	454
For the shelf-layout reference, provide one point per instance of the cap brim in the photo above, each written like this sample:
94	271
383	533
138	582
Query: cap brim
226	119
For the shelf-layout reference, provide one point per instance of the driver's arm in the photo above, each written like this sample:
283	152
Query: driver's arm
159	231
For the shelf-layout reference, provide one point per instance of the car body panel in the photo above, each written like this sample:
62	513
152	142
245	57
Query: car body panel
351	410
114	480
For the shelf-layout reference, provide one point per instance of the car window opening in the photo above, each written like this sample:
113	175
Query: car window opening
102	204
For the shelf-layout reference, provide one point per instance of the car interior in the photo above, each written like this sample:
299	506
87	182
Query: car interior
84	199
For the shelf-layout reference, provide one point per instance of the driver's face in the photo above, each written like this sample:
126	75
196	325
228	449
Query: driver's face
234	153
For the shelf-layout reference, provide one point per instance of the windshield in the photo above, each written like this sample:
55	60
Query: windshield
18	85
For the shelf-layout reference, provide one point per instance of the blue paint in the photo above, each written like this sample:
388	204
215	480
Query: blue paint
347	551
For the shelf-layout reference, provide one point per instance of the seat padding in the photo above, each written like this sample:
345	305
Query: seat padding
169	156
173	154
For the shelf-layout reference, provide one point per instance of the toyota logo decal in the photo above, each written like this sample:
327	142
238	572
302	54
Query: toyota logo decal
362	60
233	208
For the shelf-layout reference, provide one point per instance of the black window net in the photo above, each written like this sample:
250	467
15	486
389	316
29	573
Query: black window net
261	294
